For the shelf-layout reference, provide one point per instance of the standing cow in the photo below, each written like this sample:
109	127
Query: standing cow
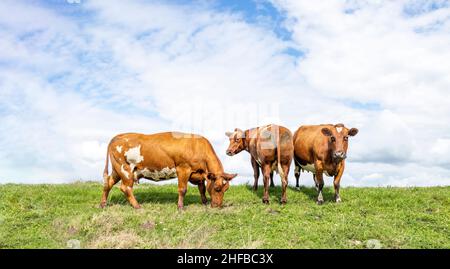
322	149
190	158
270	148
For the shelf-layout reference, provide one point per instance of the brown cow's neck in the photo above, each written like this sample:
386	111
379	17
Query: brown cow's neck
246	140
214	164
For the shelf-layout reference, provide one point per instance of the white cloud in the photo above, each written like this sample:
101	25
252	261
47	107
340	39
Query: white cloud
68	86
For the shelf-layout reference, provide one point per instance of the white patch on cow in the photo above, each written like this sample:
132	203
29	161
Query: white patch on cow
119	149
124	172
309	167
339	129
134	155
297	169
165	173
275	166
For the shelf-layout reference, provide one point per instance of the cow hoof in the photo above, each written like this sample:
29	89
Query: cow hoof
319	202
283	202
138	206
338	200
205	202
297	188
265	201
102	205
255	188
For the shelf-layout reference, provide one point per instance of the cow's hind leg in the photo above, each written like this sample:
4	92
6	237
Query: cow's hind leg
266	173
109	182
255	174
126	187
284	182
297	176
271	180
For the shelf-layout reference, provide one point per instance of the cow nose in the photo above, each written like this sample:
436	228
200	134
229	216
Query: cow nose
340	155
228	152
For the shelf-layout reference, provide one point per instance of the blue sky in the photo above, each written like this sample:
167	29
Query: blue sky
75	73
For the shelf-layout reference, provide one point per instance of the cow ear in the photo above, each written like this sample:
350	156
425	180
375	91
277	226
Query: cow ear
229	134
229	176
211	176
353	132
326	131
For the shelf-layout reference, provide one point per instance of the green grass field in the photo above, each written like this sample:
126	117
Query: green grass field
48	216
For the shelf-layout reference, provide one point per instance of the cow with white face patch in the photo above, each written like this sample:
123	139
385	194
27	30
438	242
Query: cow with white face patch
322	149
188	157
270	148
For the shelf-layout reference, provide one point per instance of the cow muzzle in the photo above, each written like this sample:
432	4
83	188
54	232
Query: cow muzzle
339	155
230	153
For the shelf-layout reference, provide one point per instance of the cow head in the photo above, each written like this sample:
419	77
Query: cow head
237	142
217	186
338	140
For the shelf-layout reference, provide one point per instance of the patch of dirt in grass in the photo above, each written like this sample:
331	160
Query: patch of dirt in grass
106	221
148	225
121	240
198	238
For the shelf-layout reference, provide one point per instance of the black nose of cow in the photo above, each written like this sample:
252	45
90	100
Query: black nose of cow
340	155
229	153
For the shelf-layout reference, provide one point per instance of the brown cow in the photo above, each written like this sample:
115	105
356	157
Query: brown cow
162	156
270	148
322	149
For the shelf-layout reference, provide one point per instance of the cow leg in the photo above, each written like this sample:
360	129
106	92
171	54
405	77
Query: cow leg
202	190
297	176
319	178
337	183
319	182
284	183
255	173
109	182
266	173
183	178
127	186
271	180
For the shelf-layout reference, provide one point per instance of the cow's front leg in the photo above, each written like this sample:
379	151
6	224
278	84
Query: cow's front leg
255	173
271	180
202	190
337	182
183	174
266	173
319	182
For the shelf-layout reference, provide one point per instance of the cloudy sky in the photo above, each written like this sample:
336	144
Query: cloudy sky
74	73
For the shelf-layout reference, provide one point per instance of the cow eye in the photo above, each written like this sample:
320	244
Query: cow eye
345	138
333	139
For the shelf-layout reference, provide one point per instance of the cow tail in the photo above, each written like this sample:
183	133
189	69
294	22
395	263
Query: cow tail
280	169
105	171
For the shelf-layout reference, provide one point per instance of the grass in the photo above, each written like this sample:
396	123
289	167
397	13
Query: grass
53	216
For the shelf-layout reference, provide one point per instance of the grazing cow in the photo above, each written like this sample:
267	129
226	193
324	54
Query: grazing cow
162	156
322	149
270	148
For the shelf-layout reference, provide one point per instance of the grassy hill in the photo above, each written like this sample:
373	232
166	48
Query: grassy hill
56	216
